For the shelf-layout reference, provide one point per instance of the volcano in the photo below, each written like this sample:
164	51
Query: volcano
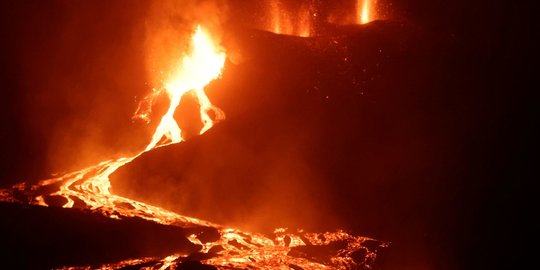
389	129
300	112
241	139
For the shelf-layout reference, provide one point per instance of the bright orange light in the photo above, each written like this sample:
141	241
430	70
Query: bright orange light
280	20
197	69
363	11
287	22
305	20
194	72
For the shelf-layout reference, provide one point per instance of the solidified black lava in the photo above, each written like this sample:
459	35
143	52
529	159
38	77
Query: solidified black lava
36	237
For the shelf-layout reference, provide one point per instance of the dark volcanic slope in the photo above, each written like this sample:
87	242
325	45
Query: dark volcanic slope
307	120
36	237
383	129
358	130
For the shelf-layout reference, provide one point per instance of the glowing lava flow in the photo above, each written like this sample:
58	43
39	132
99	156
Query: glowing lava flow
89	188
195	72
92	186
198	69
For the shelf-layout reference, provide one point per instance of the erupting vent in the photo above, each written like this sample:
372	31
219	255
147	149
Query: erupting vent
363	11
304	20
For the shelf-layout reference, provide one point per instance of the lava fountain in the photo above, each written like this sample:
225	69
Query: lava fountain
298	22
363	8
193	74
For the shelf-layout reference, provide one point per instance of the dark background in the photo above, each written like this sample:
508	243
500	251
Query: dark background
71	70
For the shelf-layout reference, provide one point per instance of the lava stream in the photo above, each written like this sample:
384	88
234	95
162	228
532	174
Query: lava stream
91	186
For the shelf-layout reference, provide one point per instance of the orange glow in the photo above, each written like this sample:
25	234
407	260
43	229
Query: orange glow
285	22
198	69
280	20
194	72
363	9
305	22
91	186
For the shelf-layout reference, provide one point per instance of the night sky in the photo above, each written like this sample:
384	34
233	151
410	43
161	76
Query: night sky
73	71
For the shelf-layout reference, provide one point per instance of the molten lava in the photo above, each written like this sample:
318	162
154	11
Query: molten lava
204	64
89	188
193	74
